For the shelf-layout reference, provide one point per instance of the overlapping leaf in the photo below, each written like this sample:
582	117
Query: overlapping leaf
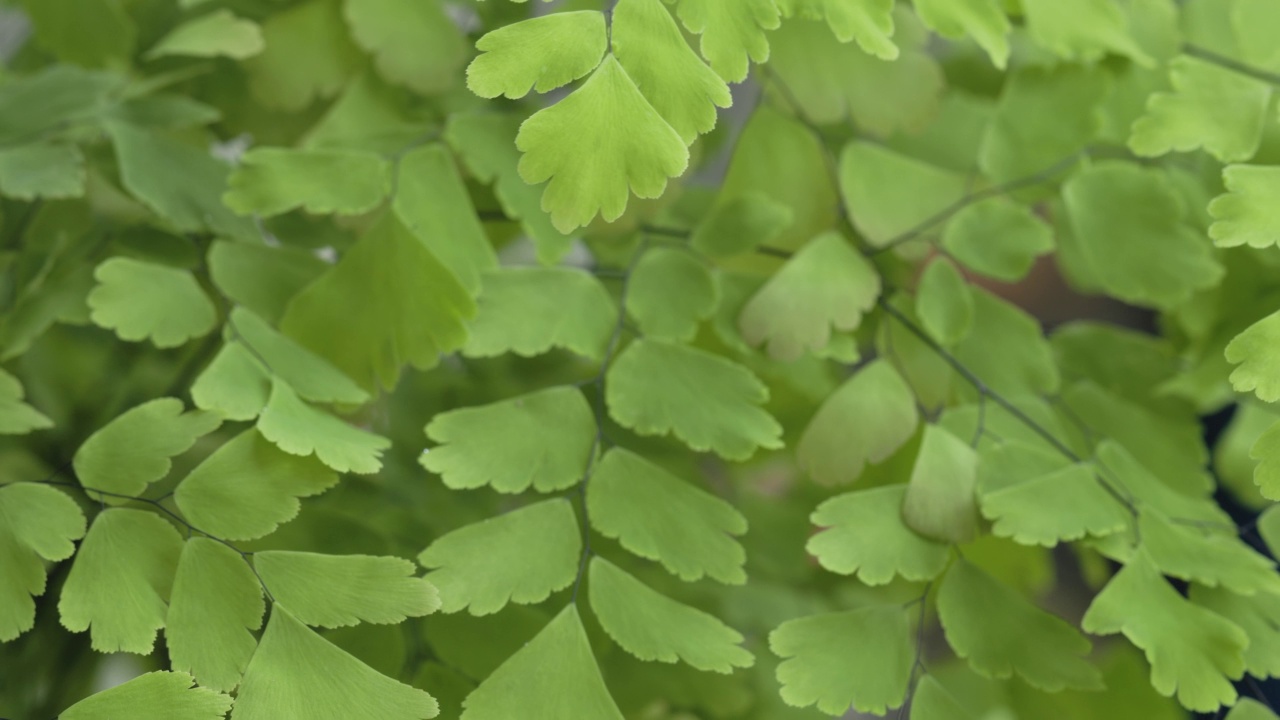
868	418
37	523
866	536
941	501
1244	215
16	416
145	301
152	696
541	53
733	32
529	311
299	429
337	590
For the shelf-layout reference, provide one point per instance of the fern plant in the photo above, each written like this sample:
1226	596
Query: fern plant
397	359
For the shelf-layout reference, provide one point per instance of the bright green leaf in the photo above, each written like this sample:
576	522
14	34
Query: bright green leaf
145	301
997	238
940	502
1245	214
337	590
218	34
529	311
866	536
1255	351
234	383
1257	615
37	523
1267	452
271	181
890	195
983	20
1210	107
1086	30
541	53
1059	506
944	303
299	429
733	32
153	696
1192	554
870	22
670	293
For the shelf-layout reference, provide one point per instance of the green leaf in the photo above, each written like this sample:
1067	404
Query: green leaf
940	502
133	450
433	203
1254	350
997	238
944	303
544	440
42	170
826	285
890	195
821	666
521	557
337	590
595	144
670	293
152	696
1244	215
312	377
248	487
1210	108
983	20
655	515
144	301
1250	709
216	605
740	224
182	183
1059	506
865	536
708	402
413	42
1267	452
37	523
652	626
120	581
1085	31
218	34
234	384
1193	652
866	420
1006	348
299	429
297	672
553	677
1257	615
271	181
993	627
1153	491
16	416
870	22
670	75
411	308
931	701
1192	554
541	53
309	55
260	277
733	32
529	311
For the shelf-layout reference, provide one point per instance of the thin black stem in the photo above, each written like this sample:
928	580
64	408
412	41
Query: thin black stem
917	665
1232	64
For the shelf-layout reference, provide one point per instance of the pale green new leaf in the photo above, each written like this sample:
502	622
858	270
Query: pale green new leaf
1257	615
941	501
234	383
541	53
432	201
249	487
299	429
652	626
1082	30
707	401
983	20
827	286
338	590
153	696
1210	107
553	677
218	34
997	238
1193	652
1257	352
531	310
733	32
42	170
311	376
655	515
866	536
1059	506
993	627
119	583
37	523
670	75
1131	227
216	605
411	308
870	22
889	195
596	146
1246	215
671	292
1192	554
740	224
1267	452
866	420
944	303
544	440
16	416
860	659
521	557
133	450
297	673
144	301
271	181
413	42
